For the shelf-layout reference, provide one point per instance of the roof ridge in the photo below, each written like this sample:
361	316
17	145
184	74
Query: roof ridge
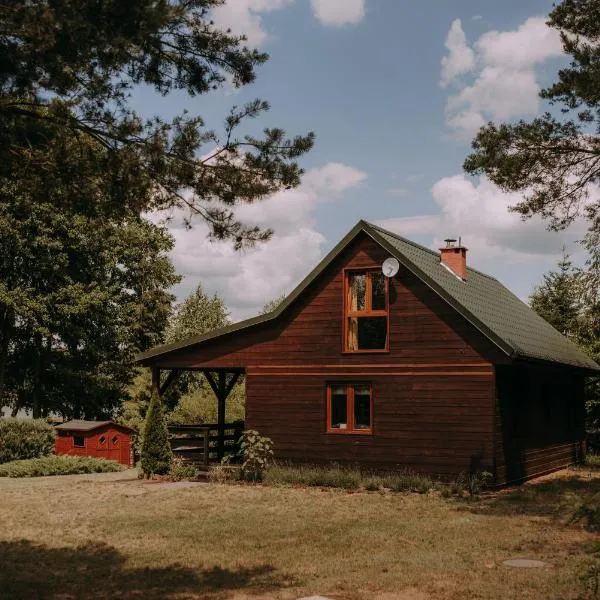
421	247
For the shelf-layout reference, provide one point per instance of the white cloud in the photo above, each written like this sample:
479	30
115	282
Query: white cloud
333	177
478	212
460	58
505	84
244	17
247	280
337	13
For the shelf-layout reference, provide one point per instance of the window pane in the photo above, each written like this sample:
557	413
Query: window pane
357	284
352	342
362	407
339	416
377	291
372	333
78	441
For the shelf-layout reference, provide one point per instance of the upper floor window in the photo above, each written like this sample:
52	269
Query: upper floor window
366	311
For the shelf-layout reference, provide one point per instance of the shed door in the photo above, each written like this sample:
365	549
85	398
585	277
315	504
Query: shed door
102	449
114	446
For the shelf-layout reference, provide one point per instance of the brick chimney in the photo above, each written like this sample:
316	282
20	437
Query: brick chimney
455	257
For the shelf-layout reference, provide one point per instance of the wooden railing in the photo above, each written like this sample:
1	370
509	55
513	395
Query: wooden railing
201	444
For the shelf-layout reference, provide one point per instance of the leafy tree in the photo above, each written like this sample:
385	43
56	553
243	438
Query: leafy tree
554	159
83	287
196	315
156	454
189	399
273	304
68	70
557	299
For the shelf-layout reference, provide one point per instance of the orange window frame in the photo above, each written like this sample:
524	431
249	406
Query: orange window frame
350	429
368	311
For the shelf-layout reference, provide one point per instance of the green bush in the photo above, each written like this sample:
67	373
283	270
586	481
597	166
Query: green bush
25	438
473	481
156	454
59	465
257	454
408	482
224	473
181	470
592	461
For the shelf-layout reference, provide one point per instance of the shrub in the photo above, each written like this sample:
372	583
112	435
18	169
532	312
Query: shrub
156	453
25	438
372	484
257	454
473	481
181	470
224	473
408	482
592	461
59	465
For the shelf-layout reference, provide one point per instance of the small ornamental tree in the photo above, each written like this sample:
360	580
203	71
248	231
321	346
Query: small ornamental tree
156	451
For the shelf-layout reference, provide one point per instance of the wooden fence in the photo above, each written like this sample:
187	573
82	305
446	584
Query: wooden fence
199	444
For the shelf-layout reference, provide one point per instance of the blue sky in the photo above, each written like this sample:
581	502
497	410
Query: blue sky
394	91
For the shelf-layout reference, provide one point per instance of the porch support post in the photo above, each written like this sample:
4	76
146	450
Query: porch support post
221	387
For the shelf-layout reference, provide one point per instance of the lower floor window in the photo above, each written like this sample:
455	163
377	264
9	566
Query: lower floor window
349	408
78	441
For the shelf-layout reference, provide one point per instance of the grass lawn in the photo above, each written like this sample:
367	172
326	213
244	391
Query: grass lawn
113	536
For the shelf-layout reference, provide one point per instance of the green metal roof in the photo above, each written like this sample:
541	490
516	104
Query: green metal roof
495	311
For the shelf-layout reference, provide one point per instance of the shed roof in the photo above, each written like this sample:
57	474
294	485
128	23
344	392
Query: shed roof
481	299
79	425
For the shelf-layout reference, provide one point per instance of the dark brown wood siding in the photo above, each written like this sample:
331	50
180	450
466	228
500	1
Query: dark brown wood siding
539	422
433	392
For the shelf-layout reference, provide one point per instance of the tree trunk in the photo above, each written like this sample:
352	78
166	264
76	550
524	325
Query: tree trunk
36	407
5	327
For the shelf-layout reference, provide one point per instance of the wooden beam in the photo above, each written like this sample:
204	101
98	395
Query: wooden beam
211	381
169	380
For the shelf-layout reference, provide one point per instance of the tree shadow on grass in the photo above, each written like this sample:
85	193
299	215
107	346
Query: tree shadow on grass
554	498
96	571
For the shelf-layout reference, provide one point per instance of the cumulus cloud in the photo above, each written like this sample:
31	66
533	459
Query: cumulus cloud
336	13
478	212
247	280
244	17
505	82
460	58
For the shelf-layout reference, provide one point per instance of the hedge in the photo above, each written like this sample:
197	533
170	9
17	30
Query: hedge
59	465
25	438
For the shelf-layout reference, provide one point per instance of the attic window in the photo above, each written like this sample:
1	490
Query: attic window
366	314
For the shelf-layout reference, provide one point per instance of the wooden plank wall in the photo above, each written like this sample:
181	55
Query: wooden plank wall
539	423
433	391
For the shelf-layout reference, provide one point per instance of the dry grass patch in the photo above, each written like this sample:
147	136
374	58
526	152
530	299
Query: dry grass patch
112	536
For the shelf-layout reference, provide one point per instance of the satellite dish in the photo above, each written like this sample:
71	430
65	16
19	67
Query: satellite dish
390	267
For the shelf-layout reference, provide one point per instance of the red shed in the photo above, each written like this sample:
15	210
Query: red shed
100	439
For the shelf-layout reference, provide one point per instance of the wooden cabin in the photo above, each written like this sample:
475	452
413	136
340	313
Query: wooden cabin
99	439
438	368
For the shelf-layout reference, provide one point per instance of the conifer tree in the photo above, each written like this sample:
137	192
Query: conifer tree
156	451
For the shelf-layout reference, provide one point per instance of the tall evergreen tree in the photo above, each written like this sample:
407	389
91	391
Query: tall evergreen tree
558	299
156	454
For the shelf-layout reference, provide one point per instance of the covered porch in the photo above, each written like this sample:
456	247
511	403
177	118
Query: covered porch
203	443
